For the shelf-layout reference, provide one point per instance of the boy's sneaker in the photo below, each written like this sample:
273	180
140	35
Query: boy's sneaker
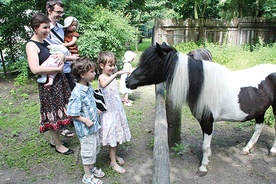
91	180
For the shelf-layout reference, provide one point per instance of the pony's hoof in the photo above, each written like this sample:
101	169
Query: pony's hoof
245	152
201	173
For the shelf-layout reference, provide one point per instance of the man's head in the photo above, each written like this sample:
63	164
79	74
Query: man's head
54	10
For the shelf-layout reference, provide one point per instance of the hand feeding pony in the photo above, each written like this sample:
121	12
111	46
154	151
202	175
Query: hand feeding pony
212	92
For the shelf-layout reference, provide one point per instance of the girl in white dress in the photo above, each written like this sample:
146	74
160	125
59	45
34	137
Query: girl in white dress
128	58
114	123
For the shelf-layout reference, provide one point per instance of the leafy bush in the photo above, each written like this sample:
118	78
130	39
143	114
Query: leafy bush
107	31
23	69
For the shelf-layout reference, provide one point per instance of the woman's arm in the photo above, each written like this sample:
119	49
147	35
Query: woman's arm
32	55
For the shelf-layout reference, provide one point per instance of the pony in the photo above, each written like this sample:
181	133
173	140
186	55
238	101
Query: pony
212	92
201	54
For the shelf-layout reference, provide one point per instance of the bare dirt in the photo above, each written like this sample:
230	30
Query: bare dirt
227	165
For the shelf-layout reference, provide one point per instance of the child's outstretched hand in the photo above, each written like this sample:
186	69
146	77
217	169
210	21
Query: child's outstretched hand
122	72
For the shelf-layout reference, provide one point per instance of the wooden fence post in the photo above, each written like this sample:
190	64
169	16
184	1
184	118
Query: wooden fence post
161	168
174	122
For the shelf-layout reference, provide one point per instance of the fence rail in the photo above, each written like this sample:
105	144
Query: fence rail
235	32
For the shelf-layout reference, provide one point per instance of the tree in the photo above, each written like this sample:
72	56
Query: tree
257	8
12	30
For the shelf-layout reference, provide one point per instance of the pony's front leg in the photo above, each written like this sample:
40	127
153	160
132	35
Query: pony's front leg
206	148
254	138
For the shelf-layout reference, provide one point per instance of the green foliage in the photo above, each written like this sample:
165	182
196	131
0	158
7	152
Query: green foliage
23	68
106	31
178	149
269	117
245	8
13	18
150	144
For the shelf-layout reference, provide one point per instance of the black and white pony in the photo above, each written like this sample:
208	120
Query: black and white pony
212	92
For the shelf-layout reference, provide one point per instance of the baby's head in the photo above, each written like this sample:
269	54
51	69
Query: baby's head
71	24
129	56
58	49
81	66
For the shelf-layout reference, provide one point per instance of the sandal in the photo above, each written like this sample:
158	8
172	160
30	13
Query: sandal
67	133
97	181
117	168
120	160
91	180
62	142
128	104
97	172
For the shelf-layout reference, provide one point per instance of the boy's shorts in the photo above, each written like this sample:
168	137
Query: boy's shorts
90	147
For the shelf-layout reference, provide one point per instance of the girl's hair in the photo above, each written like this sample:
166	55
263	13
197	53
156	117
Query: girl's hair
51	5
37	19
105	57
81	66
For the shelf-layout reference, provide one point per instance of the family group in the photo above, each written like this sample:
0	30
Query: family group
67	97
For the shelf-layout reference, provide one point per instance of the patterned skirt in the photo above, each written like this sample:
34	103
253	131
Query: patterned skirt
53	104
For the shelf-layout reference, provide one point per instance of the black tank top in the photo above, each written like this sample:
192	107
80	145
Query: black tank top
44	51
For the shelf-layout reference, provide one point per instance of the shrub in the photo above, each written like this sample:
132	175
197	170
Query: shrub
107	31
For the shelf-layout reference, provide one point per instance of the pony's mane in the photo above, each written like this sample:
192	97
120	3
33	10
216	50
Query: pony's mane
161	55
214	82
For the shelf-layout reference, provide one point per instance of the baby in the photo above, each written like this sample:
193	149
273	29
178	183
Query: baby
52	61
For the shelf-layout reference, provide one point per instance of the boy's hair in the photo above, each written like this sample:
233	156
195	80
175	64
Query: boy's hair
105	57
81	66
51	5
37	19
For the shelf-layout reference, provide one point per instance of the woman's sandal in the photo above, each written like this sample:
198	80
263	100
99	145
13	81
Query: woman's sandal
117	168
120	160
97	172
52	145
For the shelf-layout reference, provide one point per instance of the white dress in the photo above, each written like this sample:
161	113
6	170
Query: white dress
113	121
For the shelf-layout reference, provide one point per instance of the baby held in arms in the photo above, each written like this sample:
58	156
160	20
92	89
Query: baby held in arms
52	61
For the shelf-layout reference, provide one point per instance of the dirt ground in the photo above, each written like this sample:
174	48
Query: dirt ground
227	165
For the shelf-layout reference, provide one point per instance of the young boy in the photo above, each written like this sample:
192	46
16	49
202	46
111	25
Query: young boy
82	108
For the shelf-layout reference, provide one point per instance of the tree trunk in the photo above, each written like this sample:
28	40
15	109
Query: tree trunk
3	63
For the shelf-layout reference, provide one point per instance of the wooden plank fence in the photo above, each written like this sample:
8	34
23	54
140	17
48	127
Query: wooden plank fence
237	31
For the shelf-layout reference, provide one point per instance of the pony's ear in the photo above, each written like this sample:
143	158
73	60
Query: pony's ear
160	51
164	44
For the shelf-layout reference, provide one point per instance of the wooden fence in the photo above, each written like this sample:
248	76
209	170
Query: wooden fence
236	32
161	163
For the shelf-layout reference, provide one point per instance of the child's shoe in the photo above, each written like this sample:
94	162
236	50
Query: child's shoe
91	180
97	172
